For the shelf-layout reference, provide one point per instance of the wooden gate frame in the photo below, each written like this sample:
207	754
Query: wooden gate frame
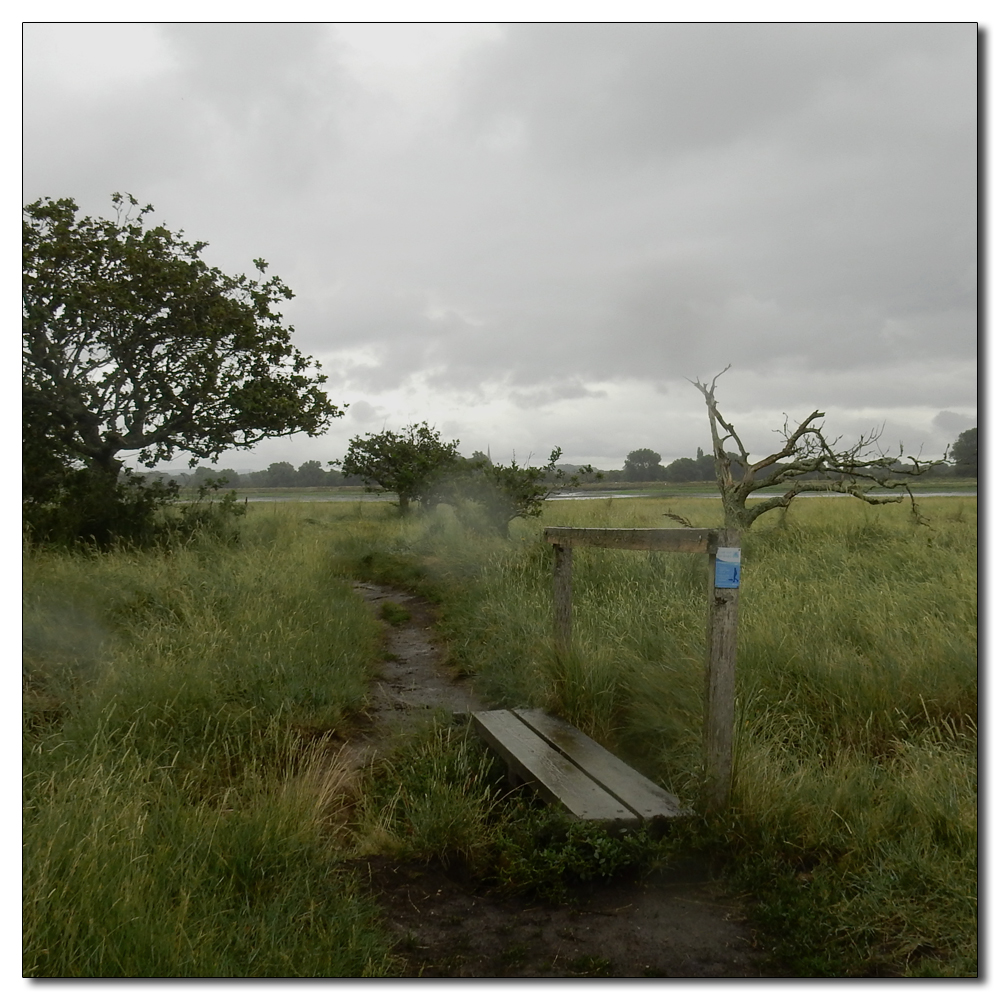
720	654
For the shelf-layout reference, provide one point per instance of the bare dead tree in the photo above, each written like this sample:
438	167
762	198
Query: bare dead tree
806	451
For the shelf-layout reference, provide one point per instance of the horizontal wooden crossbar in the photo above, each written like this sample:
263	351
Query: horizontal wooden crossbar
567	767
649	539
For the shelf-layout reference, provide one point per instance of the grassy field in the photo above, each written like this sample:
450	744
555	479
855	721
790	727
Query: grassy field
185	814
928	484
179	803
658	489
853	818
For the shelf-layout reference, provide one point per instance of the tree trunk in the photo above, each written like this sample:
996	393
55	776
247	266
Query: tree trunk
735	509
101	456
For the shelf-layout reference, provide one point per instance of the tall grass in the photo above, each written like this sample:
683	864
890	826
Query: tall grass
132	872
181	786
184	804
853	811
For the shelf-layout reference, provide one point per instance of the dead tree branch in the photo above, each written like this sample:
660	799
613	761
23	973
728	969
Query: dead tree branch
807	461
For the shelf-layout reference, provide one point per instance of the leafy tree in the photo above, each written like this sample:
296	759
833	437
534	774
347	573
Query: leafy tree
312	474
132	343
281	474
642	466
692	470
506	492
808	460
337	478
45	460
201	475
63	503
681	470
705	467
412	463
965	453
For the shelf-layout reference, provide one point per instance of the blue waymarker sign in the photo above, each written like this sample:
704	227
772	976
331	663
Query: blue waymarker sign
727	568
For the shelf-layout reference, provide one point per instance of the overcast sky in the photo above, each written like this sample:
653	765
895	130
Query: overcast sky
532	235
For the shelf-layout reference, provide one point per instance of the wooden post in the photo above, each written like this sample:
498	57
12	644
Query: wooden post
720	668
722	546
562	595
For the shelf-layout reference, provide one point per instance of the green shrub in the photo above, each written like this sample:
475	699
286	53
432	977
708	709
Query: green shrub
78	507
549	855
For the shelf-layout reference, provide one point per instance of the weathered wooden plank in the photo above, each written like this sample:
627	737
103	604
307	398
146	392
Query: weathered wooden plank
556	778
720	682
562	597
642	796
648	539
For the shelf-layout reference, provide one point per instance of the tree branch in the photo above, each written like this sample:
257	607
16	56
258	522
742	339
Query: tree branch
806	452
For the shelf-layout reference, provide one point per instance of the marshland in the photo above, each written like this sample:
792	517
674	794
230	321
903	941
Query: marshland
189	809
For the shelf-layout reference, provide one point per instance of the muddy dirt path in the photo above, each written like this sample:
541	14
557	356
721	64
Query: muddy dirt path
413	681
678	924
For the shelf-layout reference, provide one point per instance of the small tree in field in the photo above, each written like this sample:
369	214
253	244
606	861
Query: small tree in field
506	492
312	473
965	453
280	474
642	466
410	463
808	460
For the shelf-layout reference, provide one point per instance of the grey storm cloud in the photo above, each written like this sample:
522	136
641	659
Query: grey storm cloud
677	194
543	211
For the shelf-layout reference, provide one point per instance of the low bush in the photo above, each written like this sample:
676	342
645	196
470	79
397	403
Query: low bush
441	797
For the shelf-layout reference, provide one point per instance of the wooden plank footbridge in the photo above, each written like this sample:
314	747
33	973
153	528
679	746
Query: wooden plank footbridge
565	765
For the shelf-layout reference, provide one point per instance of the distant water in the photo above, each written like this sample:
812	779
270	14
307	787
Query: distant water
589	495
594	495
320	498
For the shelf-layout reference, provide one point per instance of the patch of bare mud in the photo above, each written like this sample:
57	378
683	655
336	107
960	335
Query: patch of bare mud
413	683
676	924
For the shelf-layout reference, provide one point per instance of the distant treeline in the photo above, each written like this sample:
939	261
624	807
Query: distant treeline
277	474
284	474
641	466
